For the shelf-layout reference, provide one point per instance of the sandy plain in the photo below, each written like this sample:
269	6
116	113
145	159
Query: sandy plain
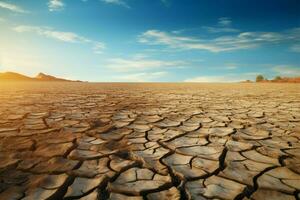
149	141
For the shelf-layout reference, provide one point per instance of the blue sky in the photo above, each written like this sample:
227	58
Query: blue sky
151	40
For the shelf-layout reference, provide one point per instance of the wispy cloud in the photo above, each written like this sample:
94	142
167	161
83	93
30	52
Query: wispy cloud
212	29
209	79
51	33
244	40
98	47
69	37
156	37
226	78
231	66
12	7
55	5
223	26
287	70
140	64
141	77
224	21
117	2
295	48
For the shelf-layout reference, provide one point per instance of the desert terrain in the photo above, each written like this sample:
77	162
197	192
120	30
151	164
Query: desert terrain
71	140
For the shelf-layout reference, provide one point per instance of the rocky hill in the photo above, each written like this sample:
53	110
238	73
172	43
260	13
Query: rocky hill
12	76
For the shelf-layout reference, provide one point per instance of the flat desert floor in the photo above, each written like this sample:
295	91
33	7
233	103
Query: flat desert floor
149	141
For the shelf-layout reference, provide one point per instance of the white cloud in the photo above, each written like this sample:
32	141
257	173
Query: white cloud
12	7
208	79
140	56
295	48
223	26
50	33
99	47
244	40
231	67
226	78
134	64
220	29
55	5
155	37
224	21
286	70
69	37
117	2
141	77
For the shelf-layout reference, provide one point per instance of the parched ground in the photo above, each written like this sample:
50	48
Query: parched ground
149	141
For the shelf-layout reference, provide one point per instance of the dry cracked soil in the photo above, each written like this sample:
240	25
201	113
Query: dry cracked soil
149	141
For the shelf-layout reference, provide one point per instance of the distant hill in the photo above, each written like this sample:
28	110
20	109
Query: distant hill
12	76
9	76
45	77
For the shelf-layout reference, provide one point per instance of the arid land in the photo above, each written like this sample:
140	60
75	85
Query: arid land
69	140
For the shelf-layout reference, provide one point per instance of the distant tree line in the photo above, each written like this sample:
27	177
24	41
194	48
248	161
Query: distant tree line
261	78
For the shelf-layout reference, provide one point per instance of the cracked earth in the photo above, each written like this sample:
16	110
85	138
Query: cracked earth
149	141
